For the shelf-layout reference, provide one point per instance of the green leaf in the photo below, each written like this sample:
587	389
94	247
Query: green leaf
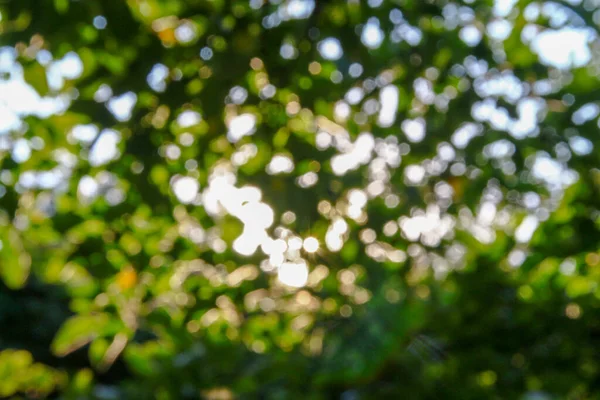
579	286
62	6
97	350
35	75
103	353
78	331
15	262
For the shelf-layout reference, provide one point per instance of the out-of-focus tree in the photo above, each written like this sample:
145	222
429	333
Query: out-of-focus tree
299	199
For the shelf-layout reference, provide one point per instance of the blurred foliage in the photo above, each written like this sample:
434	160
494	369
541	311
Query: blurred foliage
166	166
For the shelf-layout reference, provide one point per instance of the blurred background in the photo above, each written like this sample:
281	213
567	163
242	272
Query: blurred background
299	199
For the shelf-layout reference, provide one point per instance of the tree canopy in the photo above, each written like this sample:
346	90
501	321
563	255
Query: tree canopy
299	199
